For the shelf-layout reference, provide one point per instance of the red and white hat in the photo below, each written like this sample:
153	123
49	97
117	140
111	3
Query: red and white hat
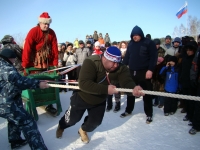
45	18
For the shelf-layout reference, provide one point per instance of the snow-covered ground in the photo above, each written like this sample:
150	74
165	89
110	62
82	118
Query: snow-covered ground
115	133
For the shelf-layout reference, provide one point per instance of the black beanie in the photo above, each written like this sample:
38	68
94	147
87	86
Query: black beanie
192	45
8	53
173	58
148	36
157	41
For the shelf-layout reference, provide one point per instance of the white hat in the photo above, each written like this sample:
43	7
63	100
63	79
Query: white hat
97	44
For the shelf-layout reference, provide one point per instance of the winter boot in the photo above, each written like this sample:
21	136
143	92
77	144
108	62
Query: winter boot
183	110
149	119
18	144
125	114
166	114
51	110
185	118
190	123
84	136
117	107
108	108
59	132
193	131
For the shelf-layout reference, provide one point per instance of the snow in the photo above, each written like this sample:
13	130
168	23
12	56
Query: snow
115	133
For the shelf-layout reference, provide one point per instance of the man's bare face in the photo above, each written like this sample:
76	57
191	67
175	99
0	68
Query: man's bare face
167	41
44	26
81	45
176	44
109	65
190	52
136	38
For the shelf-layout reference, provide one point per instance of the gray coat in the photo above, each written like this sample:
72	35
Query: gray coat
81	54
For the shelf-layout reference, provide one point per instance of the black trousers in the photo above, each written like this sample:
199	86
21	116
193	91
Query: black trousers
196	116
189	104
139	78
76	111
170	104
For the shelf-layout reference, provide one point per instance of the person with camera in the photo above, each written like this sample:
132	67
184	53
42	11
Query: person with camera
70	59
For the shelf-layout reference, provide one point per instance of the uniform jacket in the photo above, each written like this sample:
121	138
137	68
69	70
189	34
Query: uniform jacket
18	50
12	84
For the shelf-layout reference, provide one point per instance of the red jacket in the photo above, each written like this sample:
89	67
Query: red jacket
34	41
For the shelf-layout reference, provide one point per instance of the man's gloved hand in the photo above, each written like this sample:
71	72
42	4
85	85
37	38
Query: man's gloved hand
193	83
71	53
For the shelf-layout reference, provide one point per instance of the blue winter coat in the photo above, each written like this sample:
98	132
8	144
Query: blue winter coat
171	79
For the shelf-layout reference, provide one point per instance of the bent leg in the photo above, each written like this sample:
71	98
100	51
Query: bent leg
28	126
94	118
74	113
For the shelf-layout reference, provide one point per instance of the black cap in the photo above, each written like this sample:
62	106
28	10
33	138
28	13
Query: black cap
148	36
7	39
168	37
9	53
88	42
192	45
107	44
80	42
157	41
114	43
173	58
69	44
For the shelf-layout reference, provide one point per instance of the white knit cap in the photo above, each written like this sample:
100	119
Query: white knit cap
97	44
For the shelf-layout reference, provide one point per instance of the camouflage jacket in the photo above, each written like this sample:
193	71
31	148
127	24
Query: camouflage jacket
18	50
161	52
12	84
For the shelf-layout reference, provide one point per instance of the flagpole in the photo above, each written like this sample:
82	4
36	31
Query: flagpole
186	19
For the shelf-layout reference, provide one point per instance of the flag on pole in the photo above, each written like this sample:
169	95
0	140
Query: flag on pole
183	10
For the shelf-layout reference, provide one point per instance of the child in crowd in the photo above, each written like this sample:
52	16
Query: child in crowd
97	50
170	72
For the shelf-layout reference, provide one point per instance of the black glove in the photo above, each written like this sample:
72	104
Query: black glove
193	83
67	53
71	53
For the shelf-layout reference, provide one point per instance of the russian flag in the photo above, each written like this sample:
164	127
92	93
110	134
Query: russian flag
183	10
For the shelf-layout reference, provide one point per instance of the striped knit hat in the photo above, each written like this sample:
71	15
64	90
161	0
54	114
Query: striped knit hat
113	54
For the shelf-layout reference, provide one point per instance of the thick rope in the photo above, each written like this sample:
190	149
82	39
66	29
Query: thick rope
196	98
